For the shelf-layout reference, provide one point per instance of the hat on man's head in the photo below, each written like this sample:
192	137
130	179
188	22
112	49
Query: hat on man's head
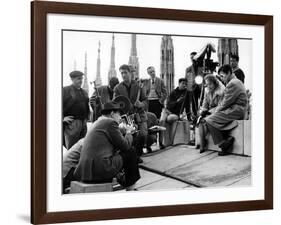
109	106
76	73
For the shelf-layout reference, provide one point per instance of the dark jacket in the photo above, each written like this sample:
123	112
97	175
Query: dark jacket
121	89
70	98
100	160
173	106
239	74
104	97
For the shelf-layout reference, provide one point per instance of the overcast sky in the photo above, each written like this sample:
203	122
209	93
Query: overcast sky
75	44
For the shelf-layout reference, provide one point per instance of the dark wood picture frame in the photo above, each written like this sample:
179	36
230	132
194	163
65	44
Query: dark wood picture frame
39	11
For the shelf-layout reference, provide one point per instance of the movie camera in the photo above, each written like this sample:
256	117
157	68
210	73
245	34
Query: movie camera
203	60
127	120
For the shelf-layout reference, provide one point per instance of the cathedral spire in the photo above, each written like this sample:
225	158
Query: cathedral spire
133	60
85	84
98	77
226	48
167	69
112	71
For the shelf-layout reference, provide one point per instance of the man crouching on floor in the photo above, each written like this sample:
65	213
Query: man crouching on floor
106	152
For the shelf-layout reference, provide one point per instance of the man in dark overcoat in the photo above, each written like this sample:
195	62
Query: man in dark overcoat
75	110
231	108
106	152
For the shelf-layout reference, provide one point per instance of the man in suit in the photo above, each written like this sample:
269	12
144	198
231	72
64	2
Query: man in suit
231	108
156	92
136	94
102	95
75	110
106	152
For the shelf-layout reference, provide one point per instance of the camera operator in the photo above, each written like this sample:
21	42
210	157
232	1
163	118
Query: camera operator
194	89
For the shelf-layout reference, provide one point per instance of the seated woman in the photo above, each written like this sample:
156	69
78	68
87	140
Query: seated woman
212	97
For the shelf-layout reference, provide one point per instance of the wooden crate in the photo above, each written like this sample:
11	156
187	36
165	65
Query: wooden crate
80	187
182	133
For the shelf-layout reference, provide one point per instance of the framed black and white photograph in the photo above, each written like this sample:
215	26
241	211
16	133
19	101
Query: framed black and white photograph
143	112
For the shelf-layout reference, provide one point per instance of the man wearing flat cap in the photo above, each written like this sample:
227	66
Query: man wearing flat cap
106	151
75	110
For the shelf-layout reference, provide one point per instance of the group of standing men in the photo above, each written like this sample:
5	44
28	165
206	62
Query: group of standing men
107	150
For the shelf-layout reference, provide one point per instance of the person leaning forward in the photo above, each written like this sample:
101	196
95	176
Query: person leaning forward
75	110
105	152
131	89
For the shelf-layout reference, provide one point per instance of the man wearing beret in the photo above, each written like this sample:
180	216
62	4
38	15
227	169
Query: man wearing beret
75	110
